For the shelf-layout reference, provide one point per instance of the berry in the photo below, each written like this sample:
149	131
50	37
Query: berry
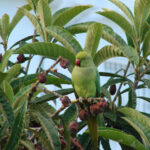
102	104
21	58
77	62
63	143
64	63
94	109
75	144
112	89
73	126
83	115
65	100
42	77
1	57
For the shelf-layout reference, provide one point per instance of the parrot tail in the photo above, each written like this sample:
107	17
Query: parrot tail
92	126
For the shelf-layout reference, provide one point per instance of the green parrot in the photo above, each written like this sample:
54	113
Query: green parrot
86	83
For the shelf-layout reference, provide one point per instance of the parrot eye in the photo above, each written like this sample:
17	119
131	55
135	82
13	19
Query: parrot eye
77	62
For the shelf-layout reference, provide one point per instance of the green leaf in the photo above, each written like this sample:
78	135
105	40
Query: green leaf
17	129
93	38
49	50
3	129
45	15
119	20
124	8
8	91
141	13
50	130
105	144
84	140
146	45
18	16
64	37
27	144
121	137
13	71
139	122
68	14
5	58
131	98
5	27
7	108
33	20
146	82
2	76
144	98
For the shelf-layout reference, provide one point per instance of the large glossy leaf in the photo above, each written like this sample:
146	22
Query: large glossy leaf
65	37
18	16
5	60
125	9
121	137
45	15
50	130
139	122
68	14
141	13
17	129
119	20
33	20
49	50
93	38
7	108
5	27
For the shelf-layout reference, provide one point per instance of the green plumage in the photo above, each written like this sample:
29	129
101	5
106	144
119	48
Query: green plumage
85	79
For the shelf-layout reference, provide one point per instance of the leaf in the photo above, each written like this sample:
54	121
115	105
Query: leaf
141	13
93	38
4	62
84	140
121	137
125	9
8	91
132	98
34	21
2	76
5	27
144	98
3	129
7	108
27	144
17	129
49	50
146	45
49	97
18	16
68	14
64	37
45	15
13	71
146	82
119	20
50	130
105	144
139	122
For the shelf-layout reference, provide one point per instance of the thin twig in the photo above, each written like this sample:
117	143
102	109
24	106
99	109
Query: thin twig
58	111
41	61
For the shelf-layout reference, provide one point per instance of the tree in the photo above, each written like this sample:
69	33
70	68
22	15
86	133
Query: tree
28	121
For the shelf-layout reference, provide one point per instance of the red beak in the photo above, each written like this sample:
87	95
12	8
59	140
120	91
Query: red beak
77	62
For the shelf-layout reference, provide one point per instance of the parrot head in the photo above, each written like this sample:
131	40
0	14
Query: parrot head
83	59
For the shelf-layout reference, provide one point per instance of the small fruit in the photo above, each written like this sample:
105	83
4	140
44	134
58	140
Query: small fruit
102	104
94	109
63	143
83	115
73	126
112	89
1	57
42	77
77	62
65	100
75	144
21	58
64	63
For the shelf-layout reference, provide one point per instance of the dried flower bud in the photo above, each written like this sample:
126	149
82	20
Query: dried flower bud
94	109
102	104
63	143
65	100
55	70
42	77
21	58
112	89
1	57
73	126
64	63
38	17
83	115
75	144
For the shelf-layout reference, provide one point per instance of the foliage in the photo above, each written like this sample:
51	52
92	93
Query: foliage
28	117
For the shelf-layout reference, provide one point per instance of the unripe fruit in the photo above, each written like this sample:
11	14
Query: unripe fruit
63	143
83	115
94	109
42	77
112	89
21	58
73	126
65	100
64	63
1	57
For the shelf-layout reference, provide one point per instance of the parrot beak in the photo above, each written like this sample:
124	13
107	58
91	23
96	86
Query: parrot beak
77	62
